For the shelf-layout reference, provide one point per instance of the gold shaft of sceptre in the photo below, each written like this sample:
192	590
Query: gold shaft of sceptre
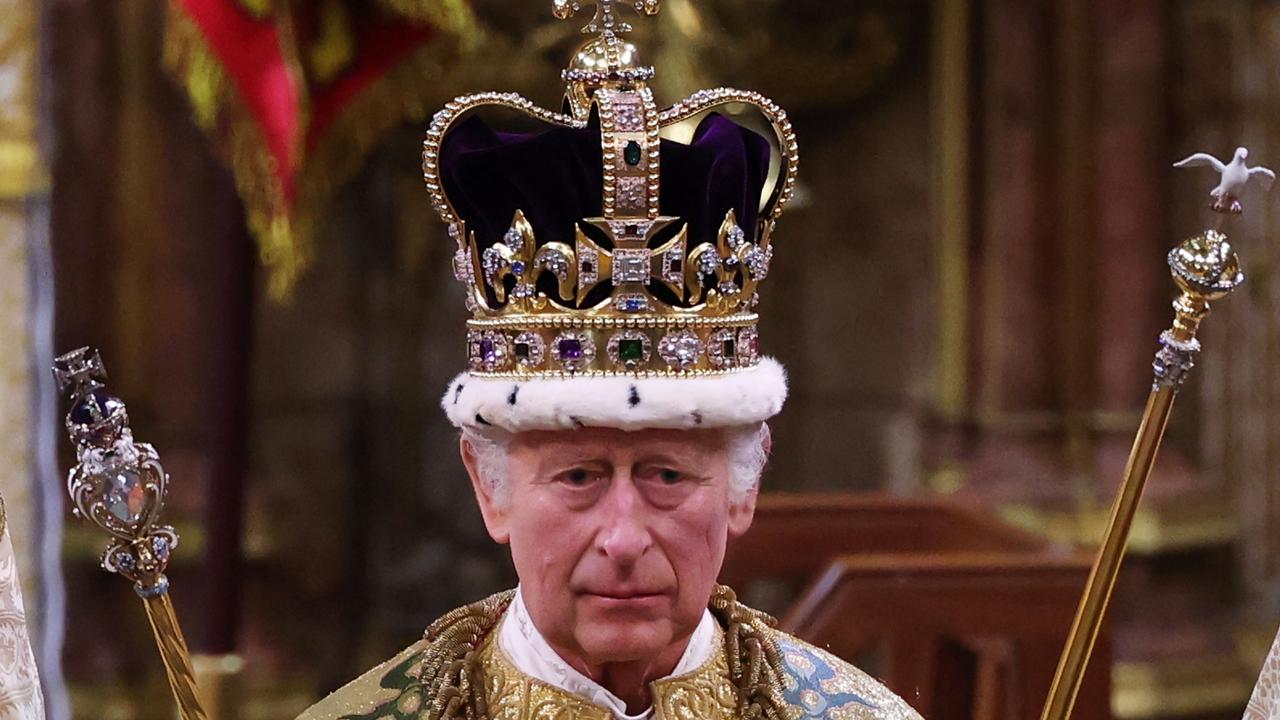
176	657
1206	269
1102	578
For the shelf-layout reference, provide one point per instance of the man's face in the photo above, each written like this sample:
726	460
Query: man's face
617	536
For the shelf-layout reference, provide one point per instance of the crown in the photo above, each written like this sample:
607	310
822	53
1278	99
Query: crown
592	241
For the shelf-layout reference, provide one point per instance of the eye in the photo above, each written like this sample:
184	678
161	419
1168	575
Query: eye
666	486
578	477
670	477
664	475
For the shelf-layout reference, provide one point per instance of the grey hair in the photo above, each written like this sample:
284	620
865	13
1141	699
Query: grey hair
745	445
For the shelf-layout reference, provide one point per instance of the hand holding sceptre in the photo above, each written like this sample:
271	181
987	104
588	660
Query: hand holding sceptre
1206	269
119	485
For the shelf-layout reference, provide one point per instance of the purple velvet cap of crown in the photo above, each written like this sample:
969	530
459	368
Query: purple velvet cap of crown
556	177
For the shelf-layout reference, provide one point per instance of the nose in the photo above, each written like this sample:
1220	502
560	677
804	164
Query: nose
624	534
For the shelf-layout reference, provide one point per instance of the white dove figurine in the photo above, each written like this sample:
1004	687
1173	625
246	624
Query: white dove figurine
1235	175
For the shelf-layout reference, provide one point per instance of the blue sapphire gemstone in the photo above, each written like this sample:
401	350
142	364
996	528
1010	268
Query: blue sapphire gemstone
517	267
488	351
82	412
632	305
123	561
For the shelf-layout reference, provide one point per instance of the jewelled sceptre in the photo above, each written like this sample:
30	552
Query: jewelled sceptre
1206	269
119	485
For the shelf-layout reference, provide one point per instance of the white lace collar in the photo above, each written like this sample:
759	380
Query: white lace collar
533	656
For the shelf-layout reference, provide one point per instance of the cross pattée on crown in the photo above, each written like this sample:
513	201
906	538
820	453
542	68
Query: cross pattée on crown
80	370
605	20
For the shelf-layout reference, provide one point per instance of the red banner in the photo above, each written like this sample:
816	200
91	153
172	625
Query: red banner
297	93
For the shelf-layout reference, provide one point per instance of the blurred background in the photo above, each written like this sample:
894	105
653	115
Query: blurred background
225	197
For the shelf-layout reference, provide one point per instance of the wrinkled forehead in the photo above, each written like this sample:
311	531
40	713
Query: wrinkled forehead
610	441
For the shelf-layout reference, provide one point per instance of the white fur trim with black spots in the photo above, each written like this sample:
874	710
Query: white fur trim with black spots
622	402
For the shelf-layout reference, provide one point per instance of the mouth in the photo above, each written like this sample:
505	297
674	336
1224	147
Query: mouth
623	595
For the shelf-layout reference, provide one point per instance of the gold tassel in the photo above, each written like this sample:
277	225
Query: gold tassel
219	110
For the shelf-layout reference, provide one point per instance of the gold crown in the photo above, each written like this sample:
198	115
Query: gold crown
626	295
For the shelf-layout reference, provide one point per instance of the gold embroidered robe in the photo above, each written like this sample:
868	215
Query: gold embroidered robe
816	684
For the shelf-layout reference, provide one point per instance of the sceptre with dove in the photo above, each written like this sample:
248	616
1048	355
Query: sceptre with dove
1206	269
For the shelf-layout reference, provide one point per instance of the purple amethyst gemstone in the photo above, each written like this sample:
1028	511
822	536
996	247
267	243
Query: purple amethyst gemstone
488	351
82	412
570	349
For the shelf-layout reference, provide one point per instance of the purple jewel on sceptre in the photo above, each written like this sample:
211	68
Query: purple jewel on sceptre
82	413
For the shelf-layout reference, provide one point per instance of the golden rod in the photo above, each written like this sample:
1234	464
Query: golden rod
1102	579
176	657
1206	269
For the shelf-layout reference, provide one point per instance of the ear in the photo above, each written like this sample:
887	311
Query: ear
495	519
741	512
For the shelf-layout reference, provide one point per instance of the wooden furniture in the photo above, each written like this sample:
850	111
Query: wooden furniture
960	614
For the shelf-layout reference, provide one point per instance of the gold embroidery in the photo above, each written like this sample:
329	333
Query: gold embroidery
845	693
704	694
512	695
459	672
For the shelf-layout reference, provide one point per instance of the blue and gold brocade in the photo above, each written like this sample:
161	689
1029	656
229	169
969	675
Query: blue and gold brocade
816	685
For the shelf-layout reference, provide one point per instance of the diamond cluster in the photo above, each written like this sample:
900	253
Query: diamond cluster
625	350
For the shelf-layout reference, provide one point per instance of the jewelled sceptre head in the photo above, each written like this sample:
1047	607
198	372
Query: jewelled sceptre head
1206	269
119	485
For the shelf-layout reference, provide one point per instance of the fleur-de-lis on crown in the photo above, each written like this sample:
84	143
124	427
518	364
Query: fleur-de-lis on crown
723	275
605	20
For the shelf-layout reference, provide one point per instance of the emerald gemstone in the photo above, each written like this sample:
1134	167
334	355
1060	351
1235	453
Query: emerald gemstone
522	350
729	348
632	153
630	350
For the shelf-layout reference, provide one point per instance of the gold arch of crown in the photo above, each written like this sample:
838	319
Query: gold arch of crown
519	330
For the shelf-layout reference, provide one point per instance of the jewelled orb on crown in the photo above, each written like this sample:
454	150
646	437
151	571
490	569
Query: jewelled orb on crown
612	238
